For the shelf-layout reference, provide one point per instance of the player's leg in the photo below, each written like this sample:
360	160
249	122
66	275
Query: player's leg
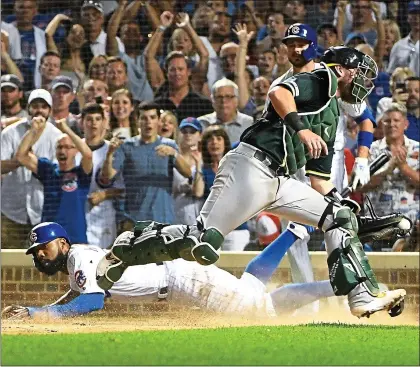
291	297
350	272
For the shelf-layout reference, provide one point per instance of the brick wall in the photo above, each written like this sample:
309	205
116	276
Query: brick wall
26	286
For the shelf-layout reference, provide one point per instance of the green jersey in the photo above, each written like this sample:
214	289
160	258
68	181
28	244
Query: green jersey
314	95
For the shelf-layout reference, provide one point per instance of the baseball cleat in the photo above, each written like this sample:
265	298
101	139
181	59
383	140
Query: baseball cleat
391	301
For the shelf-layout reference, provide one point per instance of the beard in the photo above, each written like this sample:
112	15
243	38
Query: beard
44	115
346	92
412	104
51	267
298	61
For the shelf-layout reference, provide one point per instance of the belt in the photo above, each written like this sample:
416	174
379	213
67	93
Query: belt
269	162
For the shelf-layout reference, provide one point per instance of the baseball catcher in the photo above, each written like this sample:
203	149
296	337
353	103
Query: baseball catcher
297	129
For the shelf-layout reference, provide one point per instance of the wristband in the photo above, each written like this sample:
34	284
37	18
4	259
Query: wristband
365	138
293	120
162	28
366	115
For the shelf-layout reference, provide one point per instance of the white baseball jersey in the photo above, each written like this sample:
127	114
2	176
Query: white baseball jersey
188	283
100	219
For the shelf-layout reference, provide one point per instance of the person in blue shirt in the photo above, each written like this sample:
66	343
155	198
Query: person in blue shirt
146	164
66	186
412	85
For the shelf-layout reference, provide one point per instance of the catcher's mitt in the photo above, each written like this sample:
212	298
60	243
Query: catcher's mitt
15	312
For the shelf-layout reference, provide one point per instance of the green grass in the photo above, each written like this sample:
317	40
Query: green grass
315	344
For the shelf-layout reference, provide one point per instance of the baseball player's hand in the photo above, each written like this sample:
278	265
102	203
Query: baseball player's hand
361	173
316	146
15	312
38	124
164	150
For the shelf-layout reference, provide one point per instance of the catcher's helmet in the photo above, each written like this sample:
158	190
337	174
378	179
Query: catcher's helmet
305	32
44	233
350	58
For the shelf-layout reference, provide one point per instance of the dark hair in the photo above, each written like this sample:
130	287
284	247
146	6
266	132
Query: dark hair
148	106
133	115
177	55
91	108
85	52
113	59
50	53
216	130
412	78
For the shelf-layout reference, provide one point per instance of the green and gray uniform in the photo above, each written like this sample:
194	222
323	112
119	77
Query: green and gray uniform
249	181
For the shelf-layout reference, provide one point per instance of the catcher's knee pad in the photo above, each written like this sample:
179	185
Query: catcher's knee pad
349	266
346	220
205	250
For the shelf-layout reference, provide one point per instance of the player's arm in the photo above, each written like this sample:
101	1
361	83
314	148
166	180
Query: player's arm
283	101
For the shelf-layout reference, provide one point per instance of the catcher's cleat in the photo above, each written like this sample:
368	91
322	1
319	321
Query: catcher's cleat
397	309
384	301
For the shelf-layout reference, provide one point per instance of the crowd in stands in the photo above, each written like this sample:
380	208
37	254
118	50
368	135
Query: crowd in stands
118	111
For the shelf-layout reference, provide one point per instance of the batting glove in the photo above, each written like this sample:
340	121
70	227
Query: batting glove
361	172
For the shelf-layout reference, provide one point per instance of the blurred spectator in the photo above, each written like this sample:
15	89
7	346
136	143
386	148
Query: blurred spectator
392	36
407	48
219	34
412	86
228	53
184	40
415	63
260	87
62	93
123	121
179	97
266	64
66	185
282	61
365	15
116	74
168	126
214	145
133	55
11	96
75	50
8	65
98	67
277	24
268	228
296	10
327	37
100	211
351	134
32	42
188	193
202	19
92	89
92	18
394	188
146	164
24	193
50	67
321	12
224	95
397	88
14	48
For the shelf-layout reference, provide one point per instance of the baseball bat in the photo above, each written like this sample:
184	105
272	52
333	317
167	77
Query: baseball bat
378	163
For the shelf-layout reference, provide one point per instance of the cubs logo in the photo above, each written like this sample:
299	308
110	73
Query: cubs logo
69	182
80	278
33	237
295	29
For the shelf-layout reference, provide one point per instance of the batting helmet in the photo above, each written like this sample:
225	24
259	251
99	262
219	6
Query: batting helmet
44	233
350	58
305	32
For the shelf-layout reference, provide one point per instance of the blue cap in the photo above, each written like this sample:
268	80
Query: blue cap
44	233
353	35
414	6
191	122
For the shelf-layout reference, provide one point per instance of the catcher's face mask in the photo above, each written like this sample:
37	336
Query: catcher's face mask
362	84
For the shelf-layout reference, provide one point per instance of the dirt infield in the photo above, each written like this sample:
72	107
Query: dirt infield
189	320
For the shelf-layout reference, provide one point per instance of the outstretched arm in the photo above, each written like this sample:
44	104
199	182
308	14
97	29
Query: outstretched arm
51	29
112	29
